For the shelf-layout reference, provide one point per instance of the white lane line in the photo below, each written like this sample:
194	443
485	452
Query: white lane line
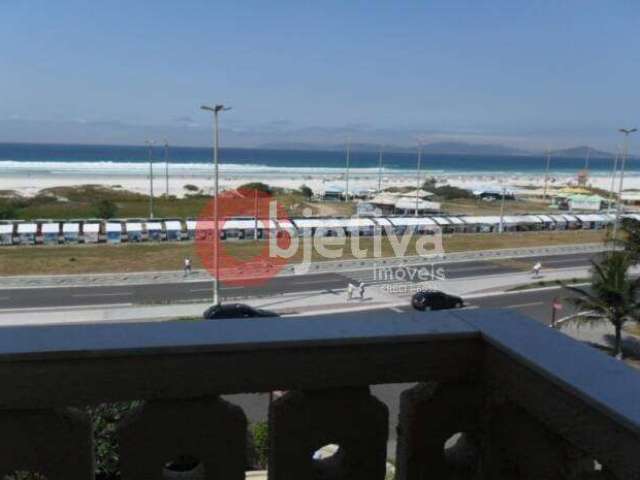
470	307
122	294
194	290
520	305
396	309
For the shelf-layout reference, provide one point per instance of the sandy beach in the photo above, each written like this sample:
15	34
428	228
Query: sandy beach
29	183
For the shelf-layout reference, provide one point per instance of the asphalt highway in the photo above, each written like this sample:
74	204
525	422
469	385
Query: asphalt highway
200	291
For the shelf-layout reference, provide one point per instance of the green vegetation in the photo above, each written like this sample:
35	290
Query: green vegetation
260	434
613	295
68	259
105	208
306	192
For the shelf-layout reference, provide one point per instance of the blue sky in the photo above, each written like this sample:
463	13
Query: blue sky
525	73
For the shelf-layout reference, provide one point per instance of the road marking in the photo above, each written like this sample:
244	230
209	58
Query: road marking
520	305
396	309
121	294
194	290
470	307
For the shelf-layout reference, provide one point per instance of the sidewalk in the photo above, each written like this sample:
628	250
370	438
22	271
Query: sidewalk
299	304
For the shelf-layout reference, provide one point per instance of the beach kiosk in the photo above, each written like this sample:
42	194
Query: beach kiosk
91	232
114	232
27	233
50	233
154	231
134	232
422	225
6	234
191	229
457	224
174	230
70	232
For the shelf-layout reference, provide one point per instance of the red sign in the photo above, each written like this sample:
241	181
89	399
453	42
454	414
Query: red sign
234	207
557	305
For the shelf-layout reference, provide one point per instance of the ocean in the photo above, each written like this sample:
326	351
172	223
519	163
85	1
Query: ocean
20	158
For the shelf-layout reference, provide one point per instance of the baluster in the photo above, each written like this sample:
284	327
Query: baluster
300	423
55	443
206	436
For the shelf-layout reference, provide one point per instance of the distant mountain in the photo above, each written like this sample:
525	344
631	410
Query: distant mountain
436	148
581	152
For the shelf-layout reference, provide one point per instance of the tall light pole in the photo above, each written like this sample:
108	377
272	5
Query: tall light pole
614	168
501	227
418	166
380	170
546	171
166	168
346	176
216	109
625	152
586	159
149	144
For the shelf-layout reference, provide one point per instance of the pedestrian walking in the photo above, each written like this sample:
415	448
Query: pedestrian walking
350	290
361	290
187	266
536	269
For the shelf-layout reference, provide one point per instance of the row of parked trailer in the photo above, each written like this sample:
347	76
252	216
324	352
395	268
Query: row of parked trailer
131	231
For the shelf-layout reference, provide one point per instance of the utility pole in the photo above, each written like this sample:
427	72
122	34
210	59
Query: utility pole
216	147
418	185
166	168
586	160
501	226
546	171
150	155
346	177
625	152
380	171
613	180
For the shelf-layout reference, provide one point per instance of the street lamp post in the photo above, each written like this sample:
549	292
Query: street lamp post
625	152
501	227
418	166
149	144
166	168
216	147
346	176
546	172
380	171
614	168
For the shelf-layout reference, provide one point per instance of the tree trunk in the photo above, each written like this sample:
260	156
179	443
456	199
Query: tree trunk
618	342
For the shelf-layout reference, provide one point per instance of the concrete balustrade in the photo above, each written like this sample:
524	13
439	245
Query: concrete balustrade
496	396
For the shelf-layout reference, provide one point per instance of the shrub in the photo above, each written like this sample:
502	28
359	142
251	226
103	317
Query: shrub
259	186
449	192
260	433
105	418
306	192
105	208
190	187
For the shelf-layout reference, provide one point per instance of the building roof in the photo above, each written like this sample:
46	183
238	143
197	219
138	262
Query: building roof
27	228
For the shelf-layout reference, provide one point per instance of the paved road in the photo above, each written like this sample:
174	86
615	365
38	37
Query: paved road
201	291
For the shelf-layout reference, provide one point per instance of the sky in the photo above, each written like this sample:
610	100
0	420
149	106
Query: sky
526	73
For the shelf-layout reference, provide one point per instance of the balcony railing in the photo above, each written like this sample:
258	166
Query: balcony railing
529	402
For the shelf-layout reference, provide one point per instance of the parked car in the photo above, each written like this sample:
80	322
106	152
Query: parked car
435	300
235	310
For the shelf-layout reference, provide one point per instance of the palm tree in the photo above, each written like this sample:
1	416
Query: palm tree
612	296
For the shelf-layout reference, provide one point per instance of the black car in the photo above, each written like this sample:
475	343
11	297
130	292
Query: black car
435	300
235	310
